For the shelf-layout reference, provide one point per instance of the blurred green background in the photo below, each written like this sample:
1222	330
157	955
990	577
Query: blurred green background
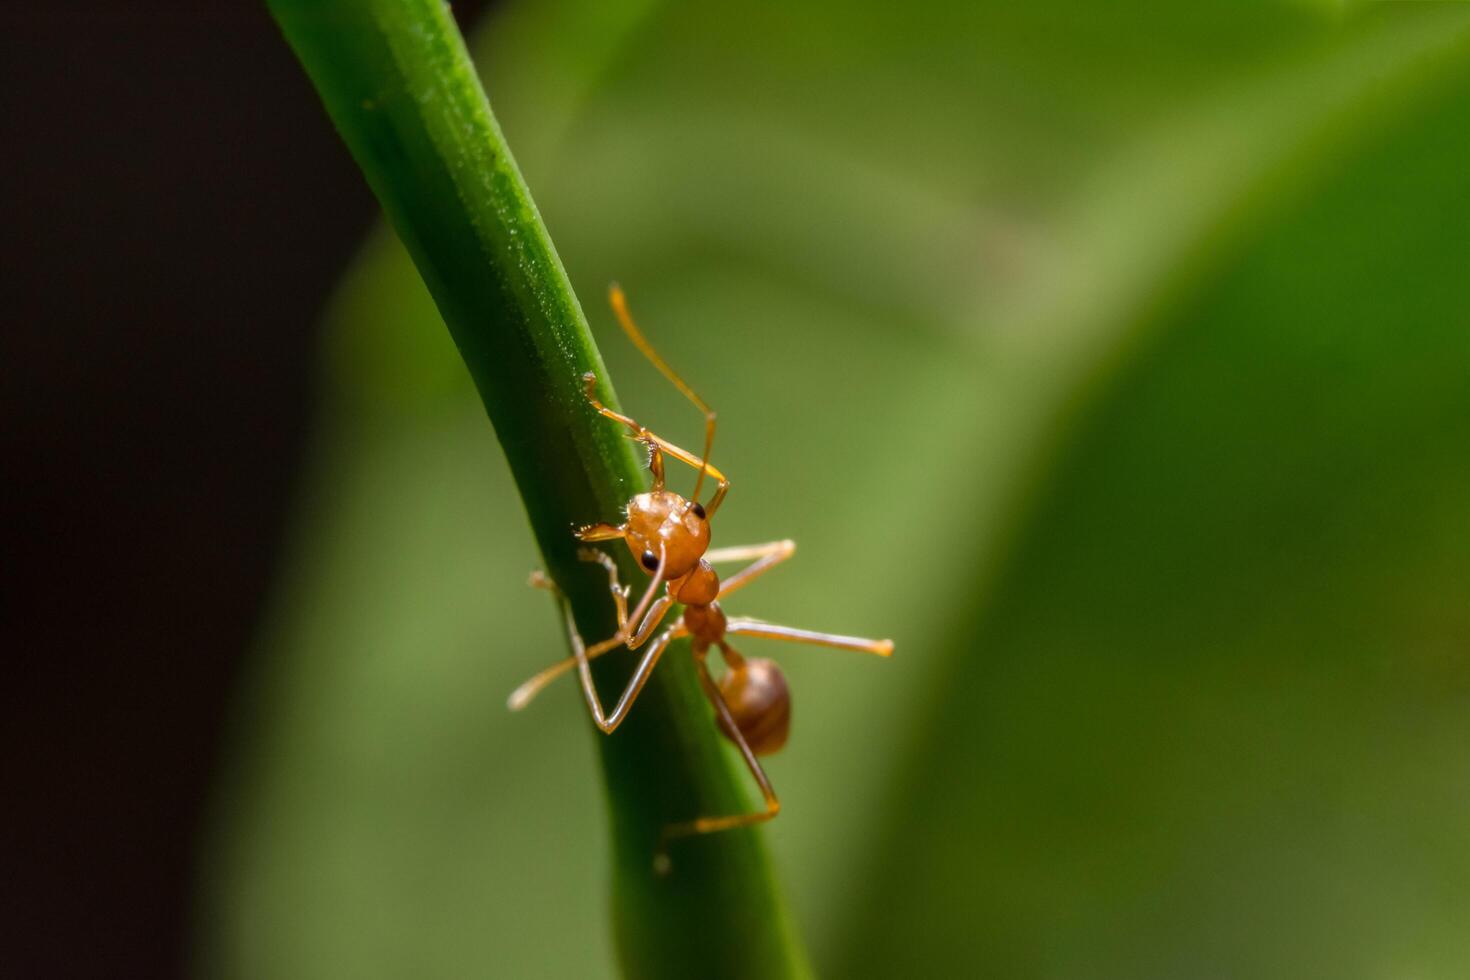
1114	361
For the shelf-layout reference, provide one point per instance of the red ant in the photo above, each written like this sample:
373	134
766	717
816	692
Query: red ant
670	536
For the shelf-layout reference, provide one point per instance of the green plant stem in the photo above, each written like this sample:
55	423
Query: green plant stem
398	83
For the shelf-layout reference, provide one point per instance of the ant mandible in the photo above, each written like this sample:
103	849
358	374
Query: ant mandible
670	537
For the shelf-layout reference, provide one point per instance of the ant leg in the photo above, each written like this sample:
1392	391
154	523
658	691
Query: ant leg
705	467
642	609
657	442
650	622
754	627
655	465
654	615
609	722
582	657
523	694
619	304
745	552
709	825
619	593
654	443
767	556
606	532
533	686
589	388
600	532
638	638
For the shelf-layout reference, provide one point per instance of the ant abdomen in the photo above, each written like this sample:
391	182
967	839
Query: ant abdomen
755	692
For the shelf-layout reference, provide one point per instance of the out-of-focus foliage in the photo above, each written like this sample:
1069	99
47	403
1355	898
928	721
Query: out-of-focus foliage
1116	363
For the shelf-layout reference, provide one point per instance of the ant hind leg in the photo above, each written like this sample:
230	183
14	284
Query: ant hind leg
710	825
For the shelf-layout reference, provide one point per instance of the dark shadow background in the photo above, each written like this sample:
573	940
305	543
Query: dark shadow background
174	209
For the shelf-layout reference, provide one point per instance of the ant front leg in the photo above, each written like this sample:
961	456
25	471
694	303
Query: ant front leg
609	722
654	615
656	443
655	455
582	657
630	327
705	468
619	591
609	532
601	532
649	620
533	686
528	690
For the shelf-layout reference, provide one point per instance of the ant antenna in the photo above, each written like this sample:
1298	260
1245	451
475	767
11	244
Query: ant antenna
625	319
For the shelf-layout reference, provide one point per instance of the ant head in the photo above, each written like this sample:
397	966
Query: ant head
662	522
760	703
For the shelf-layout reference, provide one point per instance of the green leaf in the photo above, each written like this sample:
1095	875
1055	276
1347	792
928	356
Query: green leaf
1210	720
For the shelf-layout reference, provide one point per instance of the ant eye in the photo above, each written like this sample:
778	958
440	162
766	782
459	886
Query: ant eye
650	560
698	509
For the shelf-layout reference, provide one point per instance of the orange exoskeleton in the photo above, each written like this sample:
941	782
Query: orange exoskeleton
669	536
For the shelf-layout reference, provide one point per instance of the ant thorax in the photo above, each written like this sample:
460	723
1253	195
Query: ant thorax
699	588
662	522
